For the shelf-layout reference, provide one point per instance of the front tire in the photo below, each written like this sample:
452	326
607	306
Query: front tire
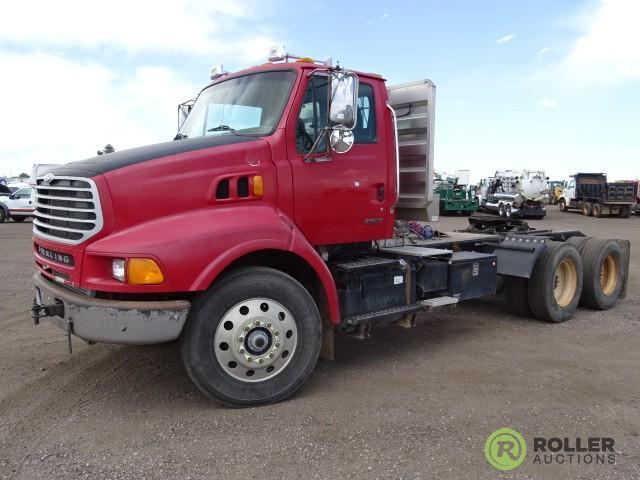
562	205
3	215
252	339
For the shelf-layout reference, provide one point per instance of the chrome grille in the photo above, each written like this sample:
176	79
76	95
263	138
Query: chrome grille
67	209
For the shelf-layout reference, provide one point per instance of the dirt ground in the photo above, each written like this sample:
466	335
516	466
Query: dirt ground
415	403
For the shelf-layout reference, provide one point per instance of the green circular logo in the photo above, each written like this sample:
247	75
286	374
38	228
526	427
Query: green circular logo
505	449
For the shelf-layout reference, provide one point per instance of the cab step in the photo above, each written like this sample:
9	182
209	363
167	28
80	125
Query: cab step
387	312
439	302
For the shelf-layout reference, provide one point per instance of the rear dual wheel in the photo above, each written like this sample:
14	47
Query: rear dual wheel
254	338
555	285
553	291
604	273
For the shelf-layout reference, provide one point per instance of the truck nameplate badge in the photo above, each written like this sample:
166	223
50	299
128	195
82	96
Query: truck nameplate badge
63	258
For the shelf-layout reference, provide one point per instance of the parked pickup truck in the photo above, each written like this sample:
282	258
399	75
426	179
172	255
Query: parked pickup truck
287	181
17	206
593	195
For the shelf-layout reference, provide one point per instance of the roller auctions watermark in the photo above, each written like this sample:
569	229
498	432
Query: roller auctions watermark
506	449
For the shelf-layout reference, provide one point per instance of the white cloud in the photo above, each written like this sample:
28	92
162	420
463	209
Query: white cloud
57	110
542	51
189	27
505	39
547	103
608	51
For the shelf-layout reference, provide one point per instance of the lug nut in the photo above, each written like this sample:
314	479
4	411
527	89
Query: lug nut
242	350
257	323
240	339
249	359
276	333
260	361
269	325
277	345
246	329
271	355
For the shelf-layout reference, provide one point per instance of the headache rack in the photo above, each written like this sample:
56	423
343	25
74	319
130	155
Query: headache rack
67	209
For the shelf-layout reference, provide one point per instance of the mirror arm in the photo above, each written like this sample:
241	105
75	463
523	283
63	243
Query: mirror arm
319	138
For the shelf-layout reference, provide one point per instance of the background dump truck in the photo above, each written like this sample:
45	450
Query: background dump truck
514	193
281	233
593	195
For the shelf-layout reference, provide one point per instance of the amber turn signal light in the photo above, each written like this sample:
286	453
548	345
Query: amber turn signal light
143	271
258	185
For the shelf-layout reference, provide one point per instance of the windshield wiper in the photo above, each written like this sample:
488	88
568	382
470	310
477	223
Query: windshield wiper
222	128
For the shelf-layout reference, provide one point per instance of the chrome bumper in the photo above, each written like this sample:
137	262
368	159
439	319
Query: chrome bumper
109	321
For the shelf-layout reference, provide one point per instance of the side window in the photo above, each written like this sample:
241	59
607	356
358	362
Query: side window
23	193
365	131
313	115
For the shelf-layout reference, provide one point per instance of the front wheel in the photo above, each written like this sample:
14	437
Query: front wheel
562	205
3	215
252	339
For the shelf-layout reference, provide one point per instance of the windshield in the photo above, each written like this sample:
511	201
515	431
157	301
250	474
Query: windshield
250	105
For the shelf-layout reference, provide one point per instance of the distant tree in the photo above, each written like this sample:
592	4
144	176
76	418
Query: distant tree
23	175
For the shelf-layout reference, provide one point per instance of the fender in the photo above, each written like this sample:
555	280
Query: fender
194	247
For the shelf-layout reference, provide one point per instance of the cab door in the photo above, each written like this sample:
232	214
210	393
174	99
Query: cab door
20	202
339	198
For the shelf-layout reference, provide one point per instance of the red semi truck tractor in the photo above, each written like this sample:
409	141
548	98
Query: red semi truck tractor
288	178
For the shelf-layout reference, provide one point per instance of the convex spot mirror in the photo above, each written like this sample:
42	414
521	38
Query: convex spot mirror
341	140
344	96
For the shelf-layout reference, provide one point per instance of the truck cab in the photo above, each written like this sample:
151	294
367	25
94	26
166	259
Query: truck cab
288	180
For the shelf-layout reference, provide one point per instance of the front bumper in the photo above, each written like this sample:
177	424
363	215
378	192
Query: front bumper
111	321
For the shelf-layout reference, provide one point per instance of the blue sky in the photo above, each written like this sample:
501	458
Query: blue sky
553	85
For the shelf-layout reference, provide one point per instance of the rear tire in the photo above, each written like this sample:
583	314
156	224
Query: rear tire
507	211
3	215
596	210
603	273
556	283
516	290
624	212
587	209
562	205
501	210
578	243
252	302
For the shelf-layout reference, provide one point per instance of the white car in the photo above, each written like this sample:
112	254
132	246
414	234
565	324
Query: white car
17	206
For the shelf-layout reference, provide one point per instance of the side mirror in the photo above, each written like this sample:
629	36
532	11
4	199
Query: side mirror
344	97
184	109
341	140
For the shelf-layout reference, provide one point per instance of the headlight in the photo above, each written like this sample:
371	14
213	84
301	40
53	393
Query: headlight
117	269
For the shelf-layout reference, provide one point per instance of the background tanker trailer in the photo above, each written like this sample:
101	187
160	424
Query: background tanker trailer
514	193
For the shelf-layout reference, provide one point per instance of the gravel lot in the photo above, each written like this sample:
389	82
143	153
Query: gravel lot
415	403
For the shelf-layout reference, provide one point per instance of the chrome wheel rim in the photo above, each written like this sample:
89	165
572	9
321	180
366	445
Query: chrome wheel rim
255	340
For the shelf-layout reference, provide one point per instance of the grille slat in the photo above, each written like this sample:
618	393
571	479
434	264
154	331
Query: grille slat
56	207
67	209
